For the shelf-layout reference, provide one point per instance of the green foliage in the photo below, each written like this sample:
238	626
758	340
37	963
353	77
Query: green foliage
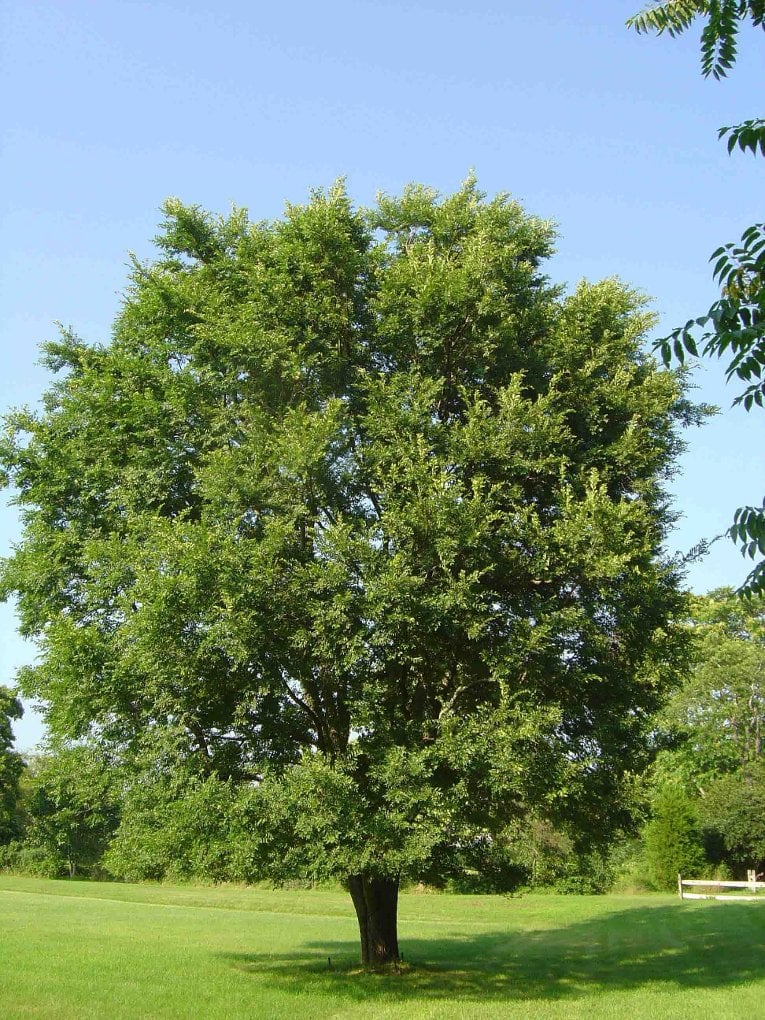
716	718
178	827
550	859
712	727
629	868
72	808
737	319
672	839
11	768
748	135
734	326
719	34
358	516
734	810
22	858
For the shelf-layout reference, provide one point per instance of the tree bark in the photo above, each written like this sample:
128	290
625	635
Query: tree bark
376	903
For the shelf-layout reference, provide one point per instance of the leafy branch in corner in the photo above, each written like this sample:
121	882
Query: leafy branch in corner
735	324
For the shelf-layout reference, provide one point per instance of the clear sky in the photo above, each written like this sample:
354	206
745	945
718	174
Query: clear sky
113	105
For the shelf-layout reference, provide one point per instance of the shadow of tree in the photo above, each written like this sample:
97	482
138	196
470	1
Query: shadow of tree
698	947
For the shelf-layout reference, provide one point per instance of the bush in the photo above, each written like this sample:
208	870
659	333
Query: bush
24	859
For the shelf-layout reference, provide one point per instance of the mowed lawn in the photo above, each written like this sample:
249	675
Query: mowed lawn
77	950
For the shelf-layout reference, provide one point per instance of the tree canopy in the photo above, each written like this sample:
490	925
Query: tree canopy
359	512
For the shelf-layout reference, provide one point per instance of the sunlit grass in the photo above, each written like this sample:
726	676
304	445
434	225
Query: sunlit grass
90	950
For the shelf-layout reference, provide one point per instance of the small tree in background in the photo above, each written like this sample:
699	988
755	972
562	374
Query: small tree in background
714	724
72	810
715	720
672	838
11	768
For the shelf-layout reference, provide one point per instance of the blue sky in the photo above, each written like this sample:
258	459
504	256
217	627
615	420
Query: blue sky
113	105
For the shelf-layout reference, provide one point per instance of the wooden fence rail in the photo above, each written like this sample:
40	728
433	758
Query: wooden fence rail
752	884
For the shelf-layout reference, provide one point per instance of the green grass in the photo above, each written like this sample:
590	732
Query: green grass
80	950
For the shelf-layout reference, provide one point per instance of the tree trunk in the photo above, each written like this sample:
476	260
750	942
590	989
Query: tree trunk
376	903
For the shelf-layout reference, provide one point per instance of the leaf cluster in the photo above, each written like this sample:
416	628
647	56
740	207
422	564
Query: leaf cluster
735	325
719	34
737	320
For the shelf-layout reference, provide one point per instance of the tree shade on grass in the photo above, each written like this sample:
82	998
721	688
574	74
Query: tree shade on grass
358	511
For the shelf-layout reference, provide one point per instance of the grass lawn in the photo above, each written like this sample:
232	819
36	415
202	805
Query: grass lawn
78	950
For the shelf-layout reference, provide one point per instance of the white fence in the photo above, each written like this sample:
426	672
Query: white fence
752	885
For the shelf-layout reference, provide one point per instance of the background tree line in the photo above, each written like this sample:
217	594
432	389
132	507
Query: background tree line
74	811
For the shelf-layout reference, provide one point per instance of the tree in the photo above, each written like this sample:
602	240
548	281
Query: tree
672	838
734	810
72	809
714	727
734	326
360	513
180	825
717	715
11	767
